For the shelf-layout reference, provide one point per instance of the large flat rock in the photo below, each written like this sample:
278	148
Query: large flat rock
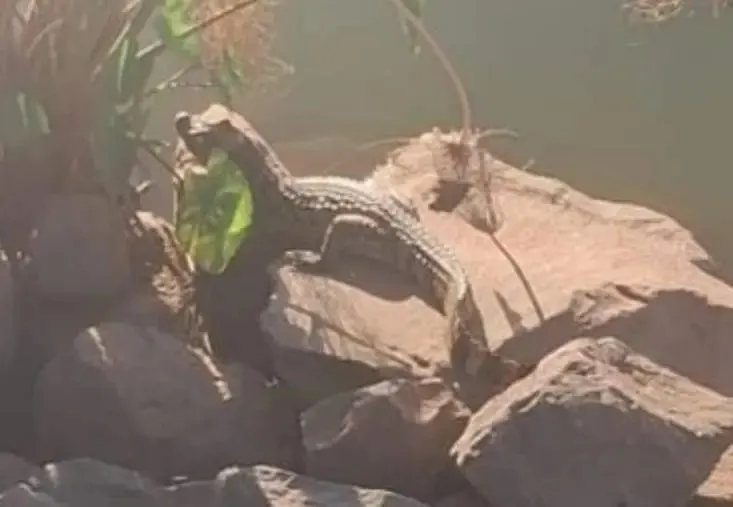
592	264
394	435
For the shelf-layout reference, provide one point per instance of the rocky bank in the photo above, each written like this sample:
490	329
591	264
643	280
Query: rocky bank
105	401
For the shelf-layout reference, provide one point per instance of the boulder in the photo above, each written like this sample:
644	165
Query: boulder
394	435
267	485
596	424
569	247
314	377
90	483
86	483
137	397
717	490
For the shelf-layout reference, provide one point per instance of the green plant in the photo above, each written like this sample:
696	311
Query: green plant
214	213
76	95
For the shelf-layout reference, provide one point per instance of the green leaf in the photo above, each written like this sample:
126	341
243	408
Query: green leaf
119	108
114	154
173	20
416	7
214	214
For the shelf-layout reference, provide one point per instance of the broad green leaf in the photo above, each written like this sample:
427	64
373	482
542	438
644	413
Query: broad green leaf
214	213
172	21
413	36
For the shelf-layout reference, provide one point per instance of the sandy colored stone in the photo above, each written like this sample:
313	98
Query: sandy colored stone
137	397
267	485
596	424
314	377
568	245
88	483
394	435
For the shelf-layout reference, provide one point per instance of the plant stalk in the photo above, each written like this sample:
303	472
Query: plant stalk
159	46
447	66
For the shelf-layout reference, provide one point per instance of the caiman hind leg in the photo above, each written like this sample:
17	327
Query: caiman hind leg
346	235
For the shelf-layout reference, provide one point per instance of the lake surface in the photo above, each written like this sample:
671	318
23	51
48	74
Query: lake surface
621	111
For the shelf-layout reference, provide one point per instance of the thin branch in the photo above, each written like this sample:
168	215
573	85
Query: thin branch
179	84
447	66
496	133
522	277
159	46
176	76
150	151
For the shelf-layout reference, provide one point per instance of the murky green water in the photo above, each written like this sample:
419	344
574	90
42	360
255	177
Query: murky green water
626	112
639	113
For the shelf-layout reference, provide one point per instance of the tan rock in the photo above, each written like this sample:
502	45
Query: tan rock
267	485
314	377
270	486
394	435
565	243
85	483
596	424
717	490
681	328
79	249
139	398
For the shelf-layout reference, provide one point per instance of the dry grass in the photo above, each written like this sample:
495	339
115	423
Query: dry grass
51	52
246	35
55	51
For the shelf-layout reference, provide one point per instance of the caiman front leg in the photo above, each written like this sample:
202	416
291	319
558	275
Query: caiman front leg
346	235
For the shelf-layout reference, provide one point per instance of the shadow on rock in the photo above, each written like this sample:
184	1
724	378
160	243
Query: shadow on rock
676	328
704	501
